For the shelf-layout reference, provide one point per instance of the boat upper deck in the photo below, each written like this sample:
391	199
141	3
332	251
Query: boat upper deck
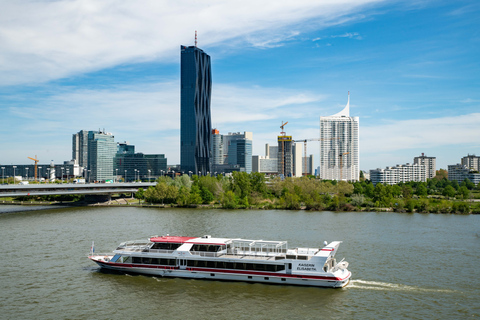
229	248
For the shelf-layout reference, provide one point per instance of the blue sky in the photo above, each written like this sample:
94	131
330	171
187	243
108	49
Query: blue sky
412	69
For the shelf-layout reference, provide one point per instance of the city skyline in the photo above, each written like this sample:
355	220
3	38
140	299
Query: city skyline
412	71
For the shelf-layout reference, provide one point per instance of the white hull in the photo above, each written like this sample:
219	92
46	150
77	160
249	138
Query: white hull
329	280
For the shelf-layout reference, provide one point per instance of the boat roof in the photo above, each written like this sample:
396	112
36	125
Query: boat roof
215	241
169	239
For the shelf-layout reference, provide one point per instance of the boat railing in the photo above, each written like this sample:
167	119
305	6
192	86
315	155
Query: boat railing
160	251
206	254
261	254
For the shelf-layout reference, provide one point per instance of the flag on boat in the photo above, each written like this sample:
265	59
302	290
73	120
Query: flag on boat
92	249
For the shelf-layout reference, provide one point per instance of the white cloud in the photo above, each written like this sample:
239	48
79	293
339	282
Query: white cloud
45	40
394	142
148	115
409	134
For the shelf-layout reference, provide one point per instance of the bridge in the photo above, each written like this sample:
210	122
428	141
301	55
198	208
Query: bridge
98	190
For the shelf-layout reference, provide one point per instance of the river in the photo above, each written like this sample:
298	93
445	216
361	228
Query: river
404	266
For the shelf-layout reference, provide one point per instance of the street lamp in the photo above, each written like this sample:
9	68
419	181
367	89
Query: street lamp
149	175
39	172
48	174
89	174
125	178
116	175
3	175
14	167
27	173
68	170
62	173
135	175
190	174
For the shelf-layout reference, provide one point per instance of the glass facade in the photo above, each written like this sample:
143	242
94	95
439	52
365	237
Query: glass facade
101	151
240	153
195	117
134	166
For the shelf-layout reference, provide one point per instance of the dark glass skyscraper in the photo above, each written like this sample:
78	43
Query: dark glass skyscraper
195	117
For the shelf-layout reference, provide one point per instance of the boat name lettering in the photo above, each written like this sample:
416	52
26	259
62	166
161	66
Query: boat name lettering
306	267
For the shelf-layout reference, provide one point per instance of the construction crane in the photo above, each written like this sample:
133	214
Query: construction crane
282	137
341	164
305	150
36	161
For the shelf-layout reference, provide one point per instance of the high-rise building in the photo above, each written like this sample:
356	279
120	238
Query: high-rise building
101	151
471	161
430	164
80	147
195	117
309	165
217	148
238	149
339	146
285	156
297	159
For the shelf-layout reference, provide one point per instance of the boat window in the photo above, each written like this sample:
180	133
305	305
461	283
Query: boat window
165	246
167	262
136	260
207	247
234	265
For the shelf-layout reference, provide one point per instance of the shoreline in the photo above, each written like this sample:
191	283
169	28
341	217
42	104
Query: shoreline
134	203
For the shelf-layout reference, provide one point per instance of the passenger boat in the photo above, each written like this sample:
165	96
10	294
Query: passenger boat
228	259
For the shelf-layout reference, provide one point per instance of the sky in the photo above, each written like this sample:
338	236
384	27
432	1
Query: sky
412	69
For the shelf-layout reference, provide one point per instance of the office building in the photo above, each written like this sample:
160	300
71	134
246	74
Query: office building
133	166
80	147
430	164
339	146
51	171
267	164
101	152
238	150
195	117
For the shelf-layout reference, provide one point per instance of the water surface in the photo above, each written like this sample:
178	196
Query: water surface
404	266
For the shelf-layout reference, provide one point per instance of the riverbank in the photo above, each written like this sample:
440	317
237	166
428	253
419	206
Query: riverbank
130	202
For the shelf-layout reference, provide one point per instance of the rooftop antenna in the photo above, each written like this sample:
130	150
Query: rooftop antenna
195	38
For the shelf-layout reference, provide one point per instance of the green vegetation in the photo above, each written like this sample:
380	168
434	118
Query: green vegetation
242	190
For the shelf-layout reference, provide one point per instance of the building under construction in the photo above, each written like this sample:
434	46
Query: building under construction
285	155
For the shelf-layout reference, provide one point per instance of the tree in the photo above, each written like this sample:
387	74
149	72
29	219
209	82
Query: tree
369	189
140	194
441	174
448	192
463	192
421	190
229	200
241	184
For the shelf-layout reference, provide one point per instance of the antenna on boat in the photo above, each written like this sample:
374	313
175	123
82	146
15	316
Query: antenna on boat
325	243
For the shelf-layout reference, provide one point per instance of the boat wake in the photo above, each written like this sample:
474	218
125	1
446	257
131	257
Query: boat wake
385	286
